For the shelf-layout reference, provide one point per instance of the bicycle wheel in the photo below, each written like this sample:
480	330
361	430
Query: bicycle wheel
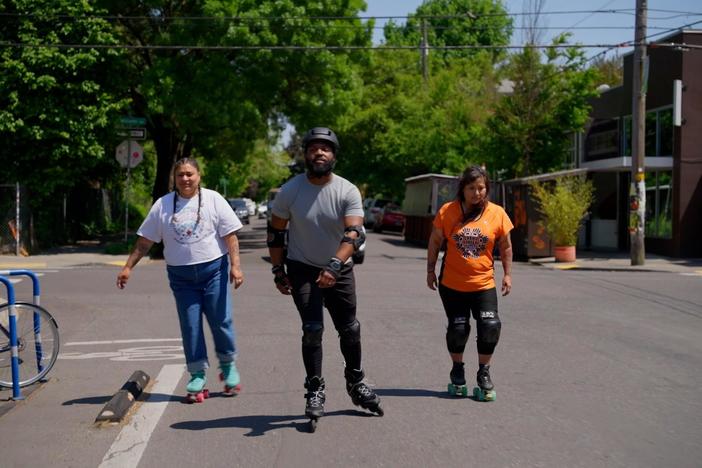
37	343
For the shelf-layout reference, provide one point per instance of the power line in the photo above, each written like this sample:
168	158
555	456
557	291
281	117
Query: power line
467	15
305	47
646	39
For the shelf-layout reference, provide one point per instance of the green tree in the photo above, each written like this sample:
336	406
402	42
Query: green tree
611	69
455	23
403	126
530	130
198	102
57	107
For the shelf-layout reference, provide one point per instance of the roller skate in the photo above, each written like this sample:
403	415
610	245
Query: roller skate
485	389
230	377
314	409
197	393
457	387
361	394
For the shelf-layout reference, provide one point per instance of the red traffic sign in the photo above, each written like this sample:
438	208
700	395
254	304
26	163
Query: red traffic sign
129	153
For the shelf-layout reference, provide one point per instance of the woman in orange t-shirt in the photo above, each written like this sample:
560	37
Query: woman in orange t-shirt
471	226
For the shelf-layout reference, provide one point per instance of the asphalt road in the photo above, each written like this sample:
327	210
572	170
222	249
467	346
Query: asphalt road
594	369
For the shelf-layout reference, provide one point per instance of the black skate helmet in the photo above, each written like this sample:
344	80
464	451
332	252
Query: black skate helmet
320	134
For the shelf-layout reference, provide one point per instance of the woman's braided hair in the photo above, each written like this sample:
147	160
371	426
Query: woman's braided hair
176	165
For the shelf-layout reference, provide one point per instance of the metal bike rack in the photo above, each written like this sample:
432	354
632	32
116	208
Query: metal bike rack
16	392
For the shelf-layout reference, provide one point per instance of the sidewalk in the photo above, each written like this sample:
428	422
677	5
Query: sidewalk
619	261
63	257
91	255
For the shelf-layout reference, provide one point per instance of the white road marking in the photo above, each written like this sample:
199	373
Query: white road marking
140	340
131	442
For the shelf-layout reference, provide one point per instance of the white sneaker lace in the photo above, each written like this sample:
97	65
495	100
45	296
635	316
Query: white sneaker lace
316	398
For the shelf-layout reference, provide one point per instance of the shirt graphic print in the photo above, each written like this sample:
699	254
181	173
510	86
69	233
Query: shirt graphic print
185	225
470	242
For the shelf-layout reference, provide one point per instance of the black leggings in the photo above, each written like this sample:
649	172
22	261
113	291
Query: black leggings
460	305
340	300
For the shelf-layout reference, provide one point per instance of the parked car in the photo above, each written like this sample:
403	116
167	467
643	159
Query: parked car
239	207
250	205
262	210
390	218
371	208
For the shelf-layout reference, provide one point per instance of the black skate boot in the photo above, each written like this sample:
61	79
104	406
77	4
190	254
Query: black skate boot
485	389
314	409
361	394
458	380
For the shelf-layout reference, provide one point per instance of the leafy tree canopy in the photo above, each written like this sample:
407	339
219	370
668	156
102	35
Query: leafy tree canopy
531	129
455	23
57	106
200	101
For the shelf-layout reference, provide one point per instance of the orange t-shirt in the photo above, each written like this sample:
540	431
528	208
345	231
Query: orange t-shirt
468	262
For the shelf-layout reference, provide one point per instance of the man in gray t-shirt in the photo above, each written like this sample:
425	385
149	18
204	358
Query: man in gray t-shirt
323	215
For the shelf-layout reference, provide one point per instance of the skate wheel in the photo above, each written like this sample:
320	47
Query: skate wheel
451	389
312	425
490	395
379	411
205	394
477	394
232	391
464	391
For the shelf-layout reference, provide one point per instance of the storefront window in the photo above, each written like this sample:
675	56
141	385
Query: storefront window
659	204
665	132
659	133
651	131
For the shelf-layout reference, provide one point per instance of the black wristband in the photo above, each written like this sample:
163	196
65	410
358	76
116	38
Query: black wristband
334	267
278	269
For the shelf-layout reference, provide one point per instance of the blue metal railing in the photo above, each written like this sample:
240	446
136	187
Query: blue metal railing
16	393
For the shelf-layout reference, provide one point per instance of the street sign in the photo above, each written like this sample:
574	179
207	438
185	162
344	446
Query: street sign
132	133
133	121
129	153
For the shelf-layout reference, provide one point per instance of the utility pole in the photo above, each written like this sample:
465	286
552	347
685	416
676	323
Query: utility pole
637	192
424	52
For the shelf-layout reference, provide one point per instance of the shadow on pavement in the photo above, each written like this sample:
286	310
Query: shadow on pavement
260	424
413	392
96	400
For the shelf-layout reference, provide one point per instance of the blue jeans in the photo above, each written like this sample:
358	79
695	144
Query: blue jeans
204	289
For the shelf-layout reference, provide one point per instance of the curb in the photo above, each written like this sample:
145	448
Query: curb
119	405
569	267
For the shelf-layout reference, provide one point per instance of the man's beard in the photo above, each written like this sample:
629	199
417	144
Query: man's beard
319	170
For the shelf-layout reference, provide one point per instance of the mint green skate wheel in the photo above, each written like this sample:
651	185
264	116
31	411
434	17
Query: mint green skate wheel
477	393
452	389
464	391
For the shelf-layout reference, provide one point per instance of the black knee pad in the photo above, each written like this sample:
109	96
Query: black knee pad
312	334
457	335
351	333
489	327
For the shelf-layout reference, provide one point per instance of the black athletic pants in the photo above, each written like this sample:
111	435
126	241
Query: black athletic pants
310	300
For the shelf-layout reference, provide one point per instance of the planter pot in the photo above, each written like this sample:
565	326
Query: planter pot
564	254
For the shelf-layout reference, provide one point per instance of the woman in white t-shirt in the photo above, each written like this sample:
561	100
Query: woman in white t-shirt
198	229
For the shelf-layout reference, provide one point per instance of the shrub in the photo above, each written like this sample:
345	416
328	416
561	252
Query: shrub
563	204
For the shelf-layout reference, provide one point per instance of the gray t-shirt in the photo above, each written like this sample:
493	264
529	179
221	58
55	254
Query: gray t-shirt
316	216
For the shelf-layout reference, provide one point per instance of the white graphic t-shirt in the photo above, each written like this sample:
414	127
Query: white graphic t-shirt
190	238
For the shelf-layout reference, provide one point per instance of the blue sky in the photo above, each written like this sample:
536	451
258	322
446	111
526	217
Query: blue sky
564	22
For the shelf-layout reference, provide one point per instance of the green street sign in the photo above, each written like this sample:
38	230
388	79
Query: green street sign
133	121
